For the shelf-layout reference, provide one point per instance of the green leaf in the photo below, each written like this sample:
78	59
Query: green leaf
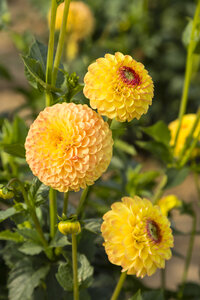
30	248
30	234
17	150
125	147
65	276
4	214
187	33
59	240
137	296
93	225
153	295
20	131
159	132
159	150
38	192
34	72
24	278
85	270
176	177
8	235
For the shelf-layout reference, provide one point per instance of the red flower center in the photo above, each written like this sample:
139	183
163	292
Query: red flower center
153	231
129	76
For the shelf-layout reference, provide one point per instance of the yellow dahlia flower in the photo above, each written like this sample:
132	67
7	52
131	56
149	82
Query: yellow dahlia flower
119	87
6	194
68	146
186	126
167	203
80	21
137	236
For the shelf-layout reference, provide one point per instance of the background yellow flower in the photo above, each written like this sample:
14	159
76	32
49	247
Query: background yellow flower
167	203
137	236
80	21
119	87
186	126
68	146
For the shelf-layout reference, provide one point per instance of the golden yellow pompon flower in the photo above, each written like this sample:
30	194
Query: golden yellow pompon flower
68	146
80	21
167	203
119	87
186	126
137	236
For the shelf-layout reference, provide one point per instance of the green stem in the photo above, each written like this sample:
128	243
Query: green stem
65	205
163	279
159	190
109	121
50	53
196	180
119	286
188	257
188	72
32	211
75	267
190	136
52	212
60	42
82	201
190	150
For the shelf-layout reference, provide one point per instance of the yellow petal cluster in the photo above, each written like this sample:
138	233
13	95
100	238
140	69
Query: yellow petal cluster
5	194
68	146
119	87
137	236
80	21
186	126
167	203
69	227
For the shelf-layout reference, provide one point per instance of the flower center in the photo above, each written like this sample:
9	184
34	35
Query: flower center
129	76
153	231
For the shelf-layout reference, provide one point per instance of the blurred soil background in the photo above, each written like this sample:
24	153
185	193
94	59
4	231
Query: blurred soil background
27	18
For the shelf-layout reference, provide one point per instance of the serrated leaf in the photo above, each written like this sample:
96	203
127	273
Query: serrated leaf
38	192
4	214
85	270
159	132
137	296
17	150
176	177
29	234
24	278
125	147
93	225
30	248
8	235
34	72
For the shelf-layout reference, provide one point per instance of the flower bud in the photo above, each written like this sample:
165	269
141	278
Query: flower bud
5	193
69	227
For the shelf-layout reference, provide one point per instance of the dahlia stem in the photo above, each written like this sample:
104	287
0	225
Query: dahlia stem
52	212
60	42
82	201
75	267
65	205
196	180
188	256
31	210
119	286
188	72
190	150
159	190
50	53
163	279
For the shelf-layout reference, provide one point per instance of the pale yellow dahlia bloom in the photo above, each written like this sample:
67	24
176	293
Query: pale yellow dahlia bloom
119	87
68	146
186	126
167	203
137	236
80	21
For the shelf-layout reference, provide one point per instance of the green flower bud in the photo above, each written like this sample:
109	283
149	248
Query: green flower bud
69	227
